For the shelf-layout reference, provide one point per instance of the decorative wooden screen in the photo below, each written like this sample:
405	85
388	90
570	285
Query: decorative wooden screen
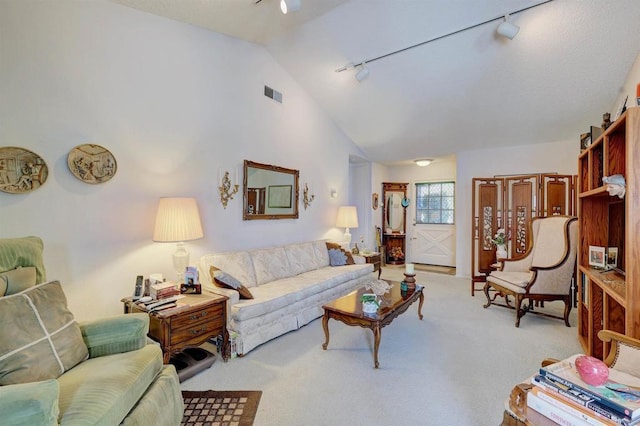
511	202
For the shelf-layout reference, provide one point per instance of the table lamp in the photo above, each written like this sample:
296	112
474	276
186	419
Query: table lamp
177	221
347	218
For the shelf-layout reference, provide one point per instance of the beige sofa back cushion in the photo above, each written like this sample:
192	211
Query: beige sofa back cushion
238	264
302	257
270	264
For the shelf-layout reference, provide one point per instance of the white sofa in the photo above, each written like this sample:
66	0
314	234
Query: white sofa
289	285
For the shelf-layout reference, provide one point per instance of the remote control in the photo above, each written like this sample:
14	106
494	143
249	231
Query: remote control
138	290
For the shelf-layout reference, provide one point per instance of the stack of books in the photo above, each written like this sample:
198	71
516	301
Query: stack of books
560	394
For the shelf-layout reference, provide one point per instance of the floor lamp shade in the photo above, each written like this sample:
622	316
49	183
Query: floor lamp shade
347	218
178	220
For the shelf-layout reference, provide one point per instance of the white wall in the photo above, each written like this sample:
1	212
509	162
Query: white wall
175	104
628	88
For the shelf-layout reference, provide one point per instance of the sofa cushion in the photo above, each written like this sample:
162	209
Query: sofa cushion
270	264
335	246
337	257
39	338
238	264
101	391
26	251
322	255
17	280
224	280
30	403
302	257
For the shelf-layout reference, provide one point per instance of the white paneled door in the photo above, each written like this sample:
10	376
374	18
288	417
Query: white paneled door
433	244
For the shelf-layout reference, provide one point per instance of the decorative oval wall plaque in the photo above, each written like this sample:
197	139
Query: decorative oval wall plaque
92	163
21	170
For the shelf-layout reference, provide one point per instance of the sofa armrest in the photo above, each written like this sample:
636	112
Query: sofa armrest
113	335
29	404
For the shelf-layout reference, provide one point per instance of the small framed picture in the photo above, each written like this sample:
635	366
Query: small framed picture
612	257
597	257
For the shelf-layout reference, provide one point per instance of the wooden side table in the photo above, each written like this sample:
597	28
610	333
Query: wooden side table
197	318
375	259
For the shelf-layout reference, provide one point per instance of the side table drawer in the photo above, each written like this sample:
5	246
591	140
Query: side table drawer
194	333
193	319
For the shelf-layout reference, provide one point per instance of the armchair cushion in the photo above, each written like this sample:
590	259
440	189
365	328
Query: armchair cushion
519	279
17	280
30	403
114	335
39	338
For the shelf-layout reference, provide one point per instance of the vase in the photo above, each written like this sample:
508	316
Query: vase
501	251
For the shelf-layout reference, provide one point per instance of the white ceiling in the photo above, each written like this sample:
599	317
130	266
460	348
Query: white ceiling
470	90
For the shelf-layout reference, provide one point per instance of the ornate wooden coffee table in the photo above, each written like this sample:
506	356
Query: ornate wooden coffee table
348	309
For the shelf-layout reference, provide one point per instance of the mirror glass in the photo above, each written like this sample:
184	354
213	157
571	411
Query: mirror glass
395	213
270	192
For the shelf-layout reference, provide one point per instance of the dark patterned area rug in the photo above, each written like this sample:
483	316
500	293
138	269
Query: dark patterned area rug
220	408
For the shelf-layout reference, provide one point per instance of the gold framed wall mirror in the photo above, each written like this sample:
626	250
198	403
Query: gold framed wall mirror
269	192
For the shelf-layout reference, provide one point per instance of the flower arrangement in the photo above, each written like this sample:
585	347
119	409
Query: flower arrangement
500	238
396	253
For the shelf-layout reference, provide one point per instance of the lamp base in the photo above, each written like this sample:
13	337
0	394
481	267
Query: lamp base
180	261
347	238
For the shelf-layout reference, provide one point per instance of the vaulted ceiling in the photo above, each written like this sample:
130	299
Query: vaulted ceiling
469	90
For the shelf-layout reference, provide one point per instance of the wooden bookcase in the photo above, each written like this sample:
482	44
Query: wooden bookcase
609	300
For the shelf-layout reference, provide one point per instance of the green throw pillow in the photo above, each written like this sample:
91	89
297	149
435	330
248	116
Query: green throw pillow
39	338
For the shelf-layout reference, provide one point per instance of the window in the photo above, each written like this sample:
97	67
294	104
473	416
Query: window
435	203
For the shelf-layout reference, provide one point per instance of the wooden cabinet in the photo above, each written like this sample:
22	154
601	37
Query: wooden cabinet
610	300
394	226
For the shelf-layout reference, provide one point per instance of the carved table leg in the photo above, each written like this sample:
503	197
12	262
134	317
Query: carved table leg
376	343
420	305
325	326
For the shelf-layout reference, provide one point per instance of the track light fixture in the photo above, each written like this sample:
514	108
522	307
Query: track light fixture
506	29
363	72
287	6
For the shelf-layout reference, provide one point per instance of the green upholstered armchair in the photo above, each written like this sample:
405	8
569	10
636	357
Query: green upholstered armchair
54	370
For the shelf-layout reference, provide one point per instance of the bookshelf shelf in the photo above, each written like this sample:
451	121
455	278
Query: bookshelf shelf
609	300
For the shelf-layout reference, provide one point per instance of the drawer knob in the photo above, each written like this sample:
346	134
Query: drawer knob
201	315
198	331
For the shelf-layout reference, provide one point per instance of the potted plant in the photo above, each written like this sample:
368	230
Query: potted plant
370	303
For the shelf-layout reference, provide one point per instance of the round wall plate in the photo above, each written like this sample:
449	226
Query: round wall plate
92	163
21	170
405	202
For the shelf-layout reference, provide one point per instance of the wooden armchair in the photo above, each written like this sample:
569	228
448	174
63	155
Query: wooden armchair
545	272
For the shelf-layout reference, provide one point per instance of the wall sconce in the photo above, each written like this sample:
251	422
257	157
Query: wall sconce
226	193
306	200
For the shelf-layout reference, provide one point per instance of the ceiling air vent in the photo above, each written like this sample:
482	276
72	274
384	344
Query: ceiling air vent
273	94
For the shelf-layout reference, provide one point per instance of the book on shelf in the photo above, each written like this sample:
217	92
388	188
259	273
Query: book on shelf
576	398
617	394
